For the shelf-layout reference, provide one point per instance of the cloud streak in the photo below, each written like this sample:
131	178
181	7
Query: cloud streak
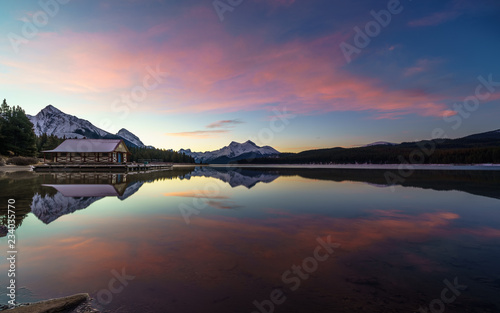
435	19
224	124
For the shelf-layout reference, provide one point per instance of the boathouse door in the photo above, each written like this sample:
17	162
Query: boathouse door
119	158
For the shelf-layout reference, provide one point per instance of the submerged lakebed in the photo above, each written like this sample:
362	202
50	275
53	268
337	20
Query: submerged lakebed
259	239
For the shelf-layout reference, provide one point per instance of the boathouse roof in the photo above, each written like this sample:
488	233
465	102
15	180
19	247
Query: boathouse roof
83	190
87	145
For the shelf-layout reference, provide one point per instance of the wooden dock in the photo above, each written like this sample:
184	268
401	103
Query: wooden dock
116	168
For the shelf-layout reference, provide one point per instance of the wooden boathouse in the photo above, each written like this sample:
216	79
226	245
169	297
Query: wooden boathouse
93	155
88	151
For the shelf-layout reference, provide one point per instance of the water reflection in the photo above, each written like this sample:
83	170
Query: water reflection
49	196
77	193
396	247
57	194
235	176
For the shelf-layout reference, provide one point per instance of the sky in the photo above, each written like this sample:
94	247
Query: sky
292	74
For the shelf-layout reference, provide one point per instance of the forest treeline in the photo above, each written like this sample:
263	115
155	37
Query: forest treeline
456	151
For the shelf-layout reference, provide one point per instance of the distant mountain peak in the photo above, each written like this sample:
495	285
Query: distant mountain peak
380	143
51	109
248	142
130	137
233	152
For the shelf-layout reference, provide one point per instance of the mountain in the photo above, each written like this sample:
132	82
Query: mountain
380	143
483	148
53	121
234	152
487	136
125	134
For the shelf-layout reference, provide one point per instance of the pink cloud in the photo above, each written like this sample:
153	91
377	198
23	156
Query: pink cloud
212	70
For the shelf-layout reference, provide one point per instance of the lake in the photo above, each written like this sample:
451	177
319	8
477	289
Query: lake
217	239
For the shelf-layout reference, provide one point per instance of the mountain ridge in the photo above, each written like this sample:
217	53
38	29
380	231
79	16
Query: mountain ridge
233	152
480	148
52	121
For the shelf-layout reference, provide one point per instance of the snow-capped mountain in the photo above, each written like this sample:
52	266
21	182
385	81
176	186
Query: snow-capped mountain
235	151
53	121
235	178
125	134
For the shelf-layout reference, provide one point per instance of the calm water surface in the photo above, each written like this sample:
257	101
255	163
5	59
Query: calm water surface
233	240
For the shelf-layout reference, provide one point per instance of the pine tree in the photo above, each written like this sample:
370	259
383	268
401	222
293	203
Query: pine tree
17	134
2	122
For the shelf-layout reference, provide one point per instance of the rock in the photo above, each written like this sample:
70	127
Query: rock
58	305
3	231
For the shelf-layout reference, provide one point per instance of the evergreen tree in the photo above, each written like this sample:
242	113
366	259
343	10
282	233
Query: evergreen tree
45	142
161	155
2	125
17	134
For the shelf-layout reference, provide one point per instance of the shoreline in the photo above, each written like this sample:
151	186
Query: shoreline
416	167
16	168
423	167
